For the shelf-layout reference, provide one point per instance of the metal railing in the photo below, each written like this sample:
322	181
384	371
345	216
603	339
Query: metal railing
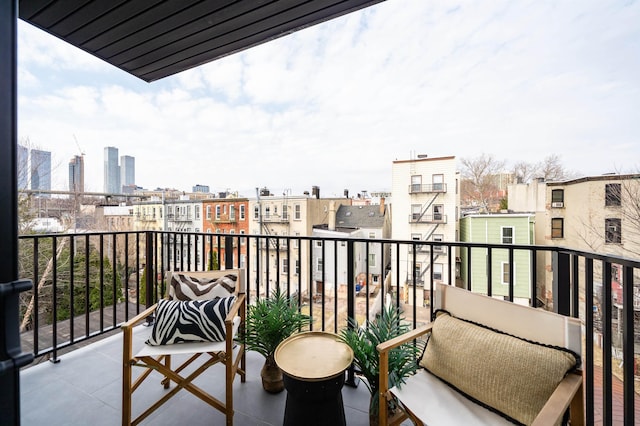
87	284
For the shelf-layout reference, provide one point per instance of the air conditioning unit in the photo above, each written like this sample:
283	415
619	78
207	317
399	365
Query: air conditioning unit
557	204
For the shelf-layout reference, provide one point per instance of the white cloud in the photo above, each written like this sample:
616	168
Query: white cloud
333	105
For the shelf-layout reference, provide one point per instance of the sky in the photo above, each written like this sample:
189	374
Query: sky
335	104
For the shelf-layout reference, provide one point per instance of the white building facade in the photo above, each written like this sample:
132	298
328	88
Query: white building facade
426	200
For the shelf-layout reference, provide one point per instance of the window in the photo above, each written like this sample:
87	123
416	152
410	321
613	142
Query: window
372	235
372	260
208	212
438	212
232	212
256	212
507	235
438	183
217	212
557	227
612	231
285	214
296	211
613	193
189	212
438	237
197	210
153	214
242	212
416	183
319	243
415	212
505	273
267	212
285	266
243	240
557	198
437	271
296	242
418	270
319	264
297	271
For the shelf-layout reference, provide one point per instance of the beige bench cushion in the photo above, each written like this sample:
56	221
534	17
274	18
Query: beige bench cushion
504	373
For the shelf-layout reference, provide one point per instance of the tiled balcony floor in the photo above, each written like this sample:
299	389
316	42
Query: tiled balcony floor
84	388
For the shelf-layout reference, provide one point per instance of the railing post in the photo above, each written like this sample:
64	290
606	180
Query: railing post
561	283
351	304
228	252
150	277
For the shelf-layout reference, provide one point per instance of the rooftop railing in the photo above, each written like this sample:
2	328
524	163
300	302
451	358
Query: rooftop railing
86	285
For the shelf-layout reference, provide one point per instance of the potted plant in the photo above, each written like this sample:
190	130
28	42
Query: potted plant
363	341
269	321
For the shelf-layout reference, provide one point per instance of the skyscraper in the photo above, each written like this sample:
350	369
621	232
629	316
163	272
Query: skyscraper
127	171
41	170
111	171
23	167
76	174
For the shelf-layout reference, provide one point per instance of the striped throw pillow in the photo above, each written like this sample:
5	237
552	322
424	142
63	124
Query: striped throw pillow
190	321
193	287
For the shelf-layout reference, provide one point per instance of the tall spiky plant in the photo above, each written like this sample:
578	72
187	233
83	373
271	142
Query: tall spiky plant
269	321
363	341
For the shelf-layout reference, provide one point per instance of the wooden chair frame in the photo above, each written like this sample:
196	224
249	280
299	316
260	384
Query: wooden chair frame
568	394
230	352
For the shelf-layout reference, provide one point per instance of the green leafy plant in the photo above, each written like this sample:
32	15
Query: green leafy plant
363	341
269	321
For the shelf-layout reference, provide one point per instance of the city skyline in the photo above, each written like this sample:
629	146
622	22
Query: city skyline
335	104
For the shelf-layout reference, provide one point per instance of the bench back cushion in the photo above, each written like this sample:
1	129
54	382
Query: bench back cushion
203	285
506	374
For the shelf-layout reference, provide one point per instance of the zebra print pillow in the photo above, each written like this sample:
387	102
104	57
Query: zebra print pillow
192	287
190	321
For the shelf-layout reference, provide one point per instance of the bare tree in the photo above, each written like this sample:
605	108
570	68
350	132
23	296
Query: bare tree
479	186
551	169
524	172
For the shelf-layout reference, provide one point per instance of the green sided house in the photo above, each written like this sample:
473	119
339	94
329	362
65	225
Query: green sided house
510	276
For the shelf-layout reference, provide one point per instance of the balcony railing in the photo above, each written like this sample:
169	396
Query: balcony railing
427	218
86	285
417	188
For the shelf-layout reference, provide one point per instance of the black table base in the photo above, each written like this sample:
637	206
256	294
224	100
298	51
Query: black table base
316	403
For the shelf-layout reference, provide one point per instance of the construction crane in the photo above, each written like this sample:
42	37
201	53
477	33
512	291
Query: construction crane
78	145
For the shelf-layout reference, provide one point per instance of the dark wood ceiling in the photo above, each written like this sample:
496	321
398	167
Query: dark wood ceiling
152	39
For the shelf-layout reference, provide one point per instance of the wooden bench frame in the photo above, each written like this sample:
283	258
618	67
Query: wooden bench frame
568	394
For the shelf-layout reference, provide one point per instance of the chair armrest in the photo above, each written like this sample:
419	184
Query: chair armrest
138	318
383	377
127	330
235	309
404	338
568	389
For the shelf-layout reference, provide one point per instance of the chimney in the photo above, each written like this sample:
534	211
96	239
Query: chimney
332	216
315	191
381	206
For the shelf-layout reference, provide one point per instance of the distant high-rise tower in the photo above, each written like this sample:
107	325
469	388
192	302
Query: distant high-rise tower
41	170
127	171
76	174
111	171
23	167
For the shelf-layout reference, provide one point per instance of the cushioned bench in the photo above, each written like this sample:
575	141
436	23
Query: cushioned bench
489	362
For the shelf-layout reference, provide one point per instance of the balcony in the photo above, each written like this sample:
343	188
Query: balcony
417	188
124	272
75	391
427	218
275	218
171	217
